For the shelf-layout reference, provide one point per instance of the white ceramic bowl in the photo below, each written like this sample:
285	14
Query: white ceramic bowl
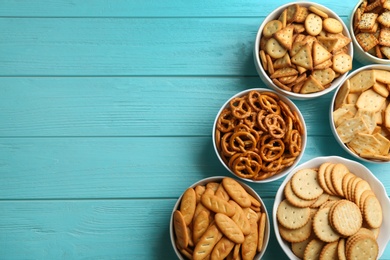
291	105
218	179
362	56
331	119
263	74
360	171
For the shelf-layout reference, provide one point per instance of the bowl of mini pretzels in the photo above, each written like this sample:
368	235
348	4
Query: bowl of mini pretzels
369	24
332	206
259	135
303	50
219	218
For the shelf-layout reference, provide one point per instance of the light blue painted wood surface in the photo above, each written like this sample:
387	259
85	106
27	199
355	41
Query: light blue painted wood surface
106	109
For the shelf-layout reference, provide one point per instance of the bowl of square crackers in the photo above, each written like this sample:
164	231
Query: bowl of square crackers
303	50
369	25
259	135
334	207
360	114
217	218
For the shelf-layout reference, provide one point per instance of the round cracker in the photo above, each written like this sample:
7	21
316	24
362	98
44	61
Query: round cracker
305	185
322	227
346	218
292	217
372	212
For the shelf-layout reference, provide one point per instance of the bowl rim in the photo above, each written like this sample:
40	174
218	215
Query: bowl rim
331	121
373	59
249	189
263	74
379	189
292	107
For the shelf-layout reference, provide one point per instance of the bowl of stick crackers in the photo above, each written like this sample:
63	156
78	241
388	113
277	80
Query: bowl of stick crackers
360	114
333	207
303	50
217	218
259	135
369	24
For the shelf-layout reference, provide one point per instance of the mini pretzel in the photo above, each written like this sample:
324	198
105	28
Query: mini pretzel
248	165
272	150
242	141
225	146
269	104
240	108
225	121
295	145
276	125
254	100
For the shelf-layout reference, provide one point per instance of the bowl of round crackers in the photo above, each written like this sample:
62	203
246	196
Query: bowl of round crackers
259	135
303	50
360	114
369	25
331	206
219	217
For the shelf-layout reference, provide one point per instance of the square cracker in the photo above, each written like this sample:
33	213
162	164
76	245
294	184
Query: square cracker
367	40
384	37
350	127
341	114
369	118
370	100
366	143
367	21
362	81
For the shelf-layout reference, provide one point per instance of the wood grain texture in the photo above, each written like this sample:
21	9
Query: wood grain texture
128	106
150	8
106	113
124	167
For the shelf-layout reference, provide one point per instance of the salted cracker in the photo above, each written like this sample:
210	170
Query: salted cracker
311	85
322	227
332	25
342	62
366	40
362	81
274	49
285	36
350	127
370	100
292	217
342	94
305	185
272	27
313	24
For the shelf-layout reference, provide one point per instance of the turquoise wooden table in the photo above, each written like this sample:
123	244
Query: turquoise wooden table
106	110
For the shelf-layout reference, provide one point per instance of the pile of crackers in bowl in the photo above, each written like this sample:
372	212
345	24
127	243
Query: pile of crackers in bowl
303	50
218	218
360	114
334	208
370	31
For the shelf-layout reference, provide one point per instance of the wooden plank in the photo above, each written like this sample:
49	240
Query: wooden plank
128	106
150	8
97	229
126	46
47	168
